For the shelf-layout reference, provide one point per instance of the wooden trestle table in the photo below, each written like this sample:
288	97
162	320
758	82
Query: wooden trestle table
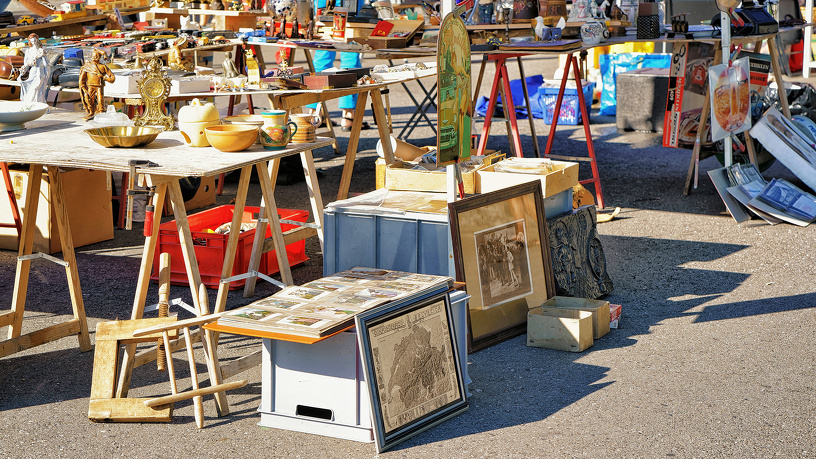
162	163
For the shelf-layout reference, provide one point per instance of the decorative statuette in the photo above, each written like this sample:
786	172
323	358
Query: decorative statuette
92	78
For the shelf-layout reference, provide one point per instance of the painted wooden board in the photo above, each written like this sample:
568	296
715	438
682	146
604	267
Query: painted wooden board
454	100
58	139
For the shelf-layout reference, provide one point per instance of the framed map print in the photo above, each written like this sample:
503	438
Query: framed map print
501	251
411	367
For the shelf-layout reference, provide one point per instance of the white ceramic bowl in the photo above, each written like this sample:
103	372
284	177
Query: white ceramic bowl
14	114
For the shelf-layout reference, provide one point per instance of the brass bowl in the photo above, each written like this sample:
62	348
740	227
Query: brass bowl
231	137
123	136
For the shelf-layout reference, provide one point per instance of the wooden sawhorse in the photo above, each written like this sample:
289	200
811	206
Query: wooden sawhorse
13	318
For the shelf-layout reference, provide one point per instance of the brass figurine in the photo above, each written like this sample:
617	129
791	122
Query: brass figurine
92	78
176	59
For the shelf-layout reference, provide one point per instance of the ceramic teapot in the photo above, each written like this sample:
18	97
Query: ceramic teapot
276	132
194	118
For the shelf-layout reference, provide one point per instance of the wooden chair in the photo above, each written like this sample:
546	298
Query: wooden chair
106	406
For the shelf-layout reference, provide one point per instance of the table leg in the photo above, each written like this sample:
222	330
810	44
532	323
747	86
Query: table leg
232	240
26	245
274	222
68	255
314	192
777	71
379	113
702	129
510	111
529	109
351	153
260	233
593	162
491	106
143	282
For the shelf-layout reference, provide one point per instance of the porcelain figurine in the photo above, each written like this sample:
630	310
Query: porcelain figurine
92	78
35	73
594	32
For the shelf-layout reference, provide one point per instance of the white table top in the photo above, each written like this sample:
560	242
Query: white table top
58	139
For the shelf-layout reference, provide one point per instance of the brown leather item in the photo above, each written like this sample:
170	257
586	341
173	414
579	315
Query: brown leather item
6	69
16	61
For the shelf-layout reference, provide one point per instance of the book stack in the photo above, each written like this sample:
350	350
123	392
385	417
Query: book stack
329	305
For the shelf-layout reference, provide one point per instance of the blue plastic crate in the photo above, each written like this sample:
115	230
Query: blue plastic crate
570	111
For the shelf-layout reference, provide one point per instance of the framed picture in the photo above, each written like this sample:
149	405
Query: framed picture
411	366
501	251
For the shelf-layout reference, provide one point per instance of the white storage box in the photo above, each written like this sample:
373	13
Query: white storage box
320	388
189	85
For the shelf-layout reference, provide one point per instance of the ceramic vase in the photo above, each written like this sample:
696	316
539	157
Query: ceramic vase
276	131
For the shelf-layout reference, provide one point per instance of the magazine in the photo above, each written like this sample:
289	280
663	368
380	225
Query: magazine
785	201
328	305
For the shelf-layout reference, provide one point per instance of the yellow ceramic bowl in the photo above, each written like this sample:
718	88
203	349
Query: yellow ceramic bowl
123	136
231	137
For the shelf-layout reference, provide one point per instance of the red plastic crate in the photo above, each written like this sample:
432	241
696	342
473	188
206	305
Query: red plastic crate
210	248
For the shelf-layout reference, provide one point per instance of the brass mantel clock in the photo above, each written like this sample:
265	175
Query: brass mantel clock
154	88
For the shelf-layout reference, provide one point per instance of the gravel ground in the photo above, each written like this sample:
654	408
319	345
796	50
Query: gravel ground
713	357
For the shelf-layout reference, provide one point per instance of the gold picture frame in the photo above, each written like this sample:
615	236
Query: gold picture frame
501	251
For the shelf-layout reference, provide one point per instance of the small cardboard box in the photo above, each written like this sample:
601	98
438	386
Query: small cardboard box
559	329
564	176
599	310
87	201
402	176
614	315
401	33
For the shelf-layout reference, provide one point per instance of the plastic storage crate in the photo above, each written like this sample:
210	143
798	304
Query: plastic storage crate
570	111
210	248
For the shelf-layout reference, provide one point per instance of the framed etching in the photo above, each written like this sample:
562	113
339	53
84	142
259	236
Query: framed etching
501	251
411	367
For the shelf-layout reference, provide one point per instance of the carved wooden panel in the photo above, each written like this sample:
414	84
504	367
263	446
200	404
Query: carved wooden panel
578	258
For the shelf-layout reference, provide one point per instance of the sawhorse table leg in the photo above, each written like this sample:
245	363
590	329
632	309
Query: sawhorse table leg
16	341
572	61
501	82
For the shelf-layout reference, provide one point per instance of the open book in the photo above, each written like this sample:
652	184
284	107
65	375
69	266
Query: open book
328	305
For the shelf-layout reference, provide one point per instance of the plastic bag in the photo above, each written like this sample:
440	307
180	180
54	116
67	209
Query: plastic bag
613	64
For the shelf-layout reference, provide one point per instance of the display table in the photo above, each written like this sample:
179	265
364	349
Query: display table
169	161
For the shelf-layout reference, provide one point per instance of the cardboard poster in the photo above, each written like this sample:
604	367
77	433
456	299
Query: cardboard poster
684	105
454	99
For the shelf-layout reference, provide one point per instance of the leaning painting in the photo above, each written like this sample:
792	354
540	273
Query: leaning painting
502	253
411	367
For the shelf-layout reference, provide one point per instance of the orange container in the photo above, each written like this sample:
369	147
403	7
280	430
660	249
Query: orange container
211	248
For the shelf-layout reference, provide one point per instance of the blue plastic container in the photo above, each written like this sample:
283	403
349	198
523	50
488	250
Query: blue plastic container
570	111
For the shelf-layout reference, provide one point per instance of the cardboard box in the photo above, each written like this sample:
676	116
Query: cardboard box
399	35
189	85
599	310
88	202
559	329
402	176
565	176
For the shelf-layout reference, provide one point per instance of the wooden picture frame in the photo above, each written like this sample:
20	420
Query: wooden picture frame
411	366
501	251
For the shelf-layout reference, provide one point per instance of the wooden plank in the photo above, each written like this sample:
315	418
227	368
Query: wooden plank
39	337
103	381
235	230
271	209
154	330
6	318
241	364
123	330
290	236
127	410
194	393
